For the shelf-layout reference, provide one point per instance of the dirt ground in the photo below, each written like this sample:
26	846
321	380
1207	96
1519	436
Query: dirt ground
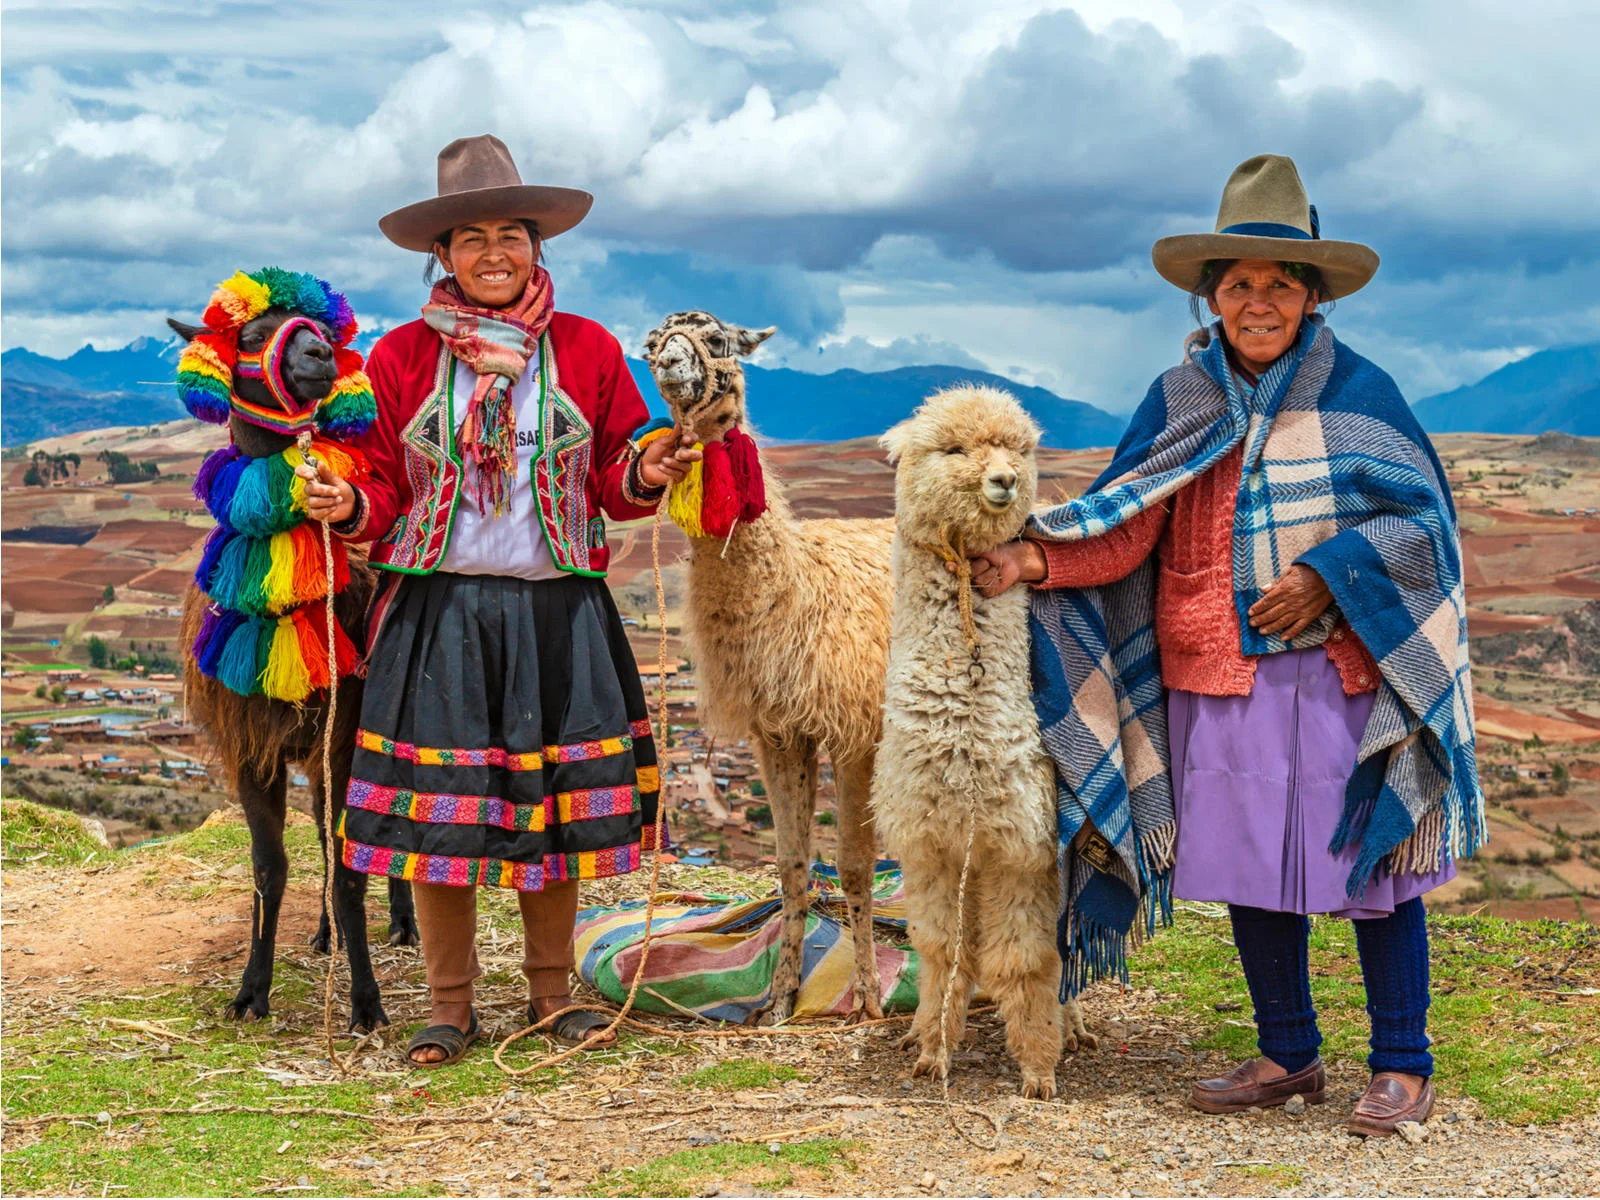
1120	1125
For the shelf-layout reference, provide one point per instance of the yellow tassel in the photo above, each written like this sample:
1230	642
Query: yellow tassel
297	487
286	676
683	505
278	586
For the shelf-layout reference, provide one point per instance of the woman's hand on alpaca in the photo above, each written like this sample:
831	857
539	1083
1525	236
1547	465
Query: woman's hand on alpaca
667	459
328	498
1298	598
996	571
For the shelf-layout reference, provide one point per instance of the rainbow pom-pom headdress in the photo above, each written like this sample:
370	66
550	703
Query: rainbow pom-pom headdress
206	369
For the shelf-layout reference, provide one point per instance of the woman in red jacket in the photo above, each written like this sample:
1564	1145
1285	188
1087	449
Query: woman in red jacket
504	736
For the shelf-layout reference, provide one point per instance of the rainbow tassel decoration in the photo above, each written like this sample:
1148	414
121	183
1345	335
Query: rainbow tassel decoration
208	363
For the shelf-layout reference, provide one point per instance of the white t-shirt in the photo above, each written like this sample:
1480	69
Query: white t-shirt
514	544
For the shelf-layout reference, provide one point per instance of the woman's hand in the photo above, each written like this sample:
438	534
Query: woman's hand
1290	605
997	571
667	459
328	498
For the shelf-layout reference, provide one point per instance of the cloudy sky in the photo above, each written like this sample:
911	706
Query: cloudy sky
888	181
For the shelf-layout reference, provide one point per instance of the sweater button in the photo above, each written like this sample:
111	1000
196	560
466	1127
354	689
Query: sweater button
1338	635
1363	680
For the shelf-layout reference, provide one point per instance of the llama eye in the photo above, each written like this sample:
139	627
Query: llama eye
955	450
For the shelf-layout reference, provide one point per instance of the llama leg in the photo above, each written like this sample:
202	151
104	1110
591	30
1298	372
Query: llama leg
350	887
402	915
791	777
1075	1034
933	881
263	803
322	940
857	854
1023	968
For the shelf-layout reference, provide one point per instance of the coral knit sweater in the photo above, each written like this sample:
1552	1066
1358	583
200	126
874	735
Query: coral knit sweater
1197	625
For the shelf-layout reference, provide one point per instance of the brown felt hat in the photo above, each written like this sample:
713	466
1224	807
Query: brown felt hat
1265	214
478	181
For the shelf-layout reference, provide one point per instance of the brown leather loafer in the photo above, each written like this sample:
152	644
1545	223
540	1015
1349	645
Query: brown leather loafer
1243	1088
1386	1104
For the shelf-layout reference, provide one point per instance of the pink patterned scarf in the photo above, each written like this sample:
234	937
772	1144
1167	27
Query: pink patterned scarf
497	344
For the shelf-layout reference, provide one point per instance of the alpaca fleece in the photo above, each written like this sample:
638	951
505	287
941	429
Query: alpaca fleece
959	730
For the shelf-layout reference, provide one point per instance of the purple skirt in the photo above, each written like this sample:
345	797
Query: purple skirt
1258	782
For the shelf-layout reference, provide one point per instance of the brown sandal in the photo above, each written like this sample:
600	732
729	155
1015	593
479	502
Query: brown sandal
574	1027
454	1042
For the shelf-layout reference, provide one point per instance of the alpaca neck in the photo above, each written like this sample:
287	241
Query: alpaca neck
760	541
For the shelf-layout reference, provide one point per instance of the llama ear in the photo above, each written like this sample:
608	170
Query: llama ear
746	340
187	332
895	439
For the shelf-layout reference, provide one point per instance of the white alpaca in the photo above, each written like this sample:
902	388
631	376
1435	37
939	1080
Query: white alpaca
960	737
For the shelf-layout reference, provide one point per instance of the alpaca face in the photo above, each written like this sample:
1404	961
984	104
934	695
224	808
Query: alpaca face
965	468
680	369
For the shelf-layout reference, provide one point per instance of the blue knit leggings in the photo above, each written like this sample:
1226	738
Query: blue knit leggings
1394	968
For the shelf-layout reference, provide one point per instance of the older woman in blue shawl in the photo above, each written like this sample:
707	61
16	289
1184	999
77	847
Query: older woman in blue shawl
1249	655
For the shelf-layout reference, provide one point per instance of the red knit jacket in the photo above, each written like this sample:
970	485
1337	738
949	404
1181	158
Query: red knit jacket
1197	624
591	408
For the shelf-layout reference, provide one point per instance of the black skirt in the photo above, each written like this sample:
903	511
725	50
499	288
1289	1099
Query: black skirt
504	737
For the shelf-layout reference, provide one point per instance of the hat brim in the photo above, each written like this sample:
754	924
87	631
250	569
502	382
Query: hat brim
1346	266
553	210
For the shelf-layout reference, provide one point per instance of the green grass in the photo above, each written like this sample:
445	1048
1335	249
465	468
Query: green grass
1278	1175
683	1173
739	1074
1494	981
37	835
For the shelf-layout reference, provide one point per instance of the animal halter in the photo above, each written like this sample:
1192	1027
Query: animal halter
293	415
710	363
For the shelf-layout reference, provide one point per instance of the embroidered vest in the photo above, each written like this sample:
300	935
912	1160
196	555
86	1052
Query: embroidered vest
415	544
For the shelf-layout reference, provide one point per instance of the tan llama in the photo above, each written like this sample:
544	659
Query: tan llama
789	628
961	742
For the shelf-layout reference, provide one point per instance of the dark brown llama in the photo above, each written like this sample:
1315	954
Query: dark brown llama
258	737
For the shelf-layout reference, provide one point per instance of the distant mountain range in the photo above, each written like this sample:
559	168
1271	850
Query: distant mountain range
45	397
1556	389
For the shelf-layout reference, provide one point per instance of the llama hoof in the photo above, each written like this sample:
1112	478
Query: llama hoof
777	1012
863	1010
932	1065
321	942
247	1008
909	1041
1083	1040
365	1017
404	934
1039	1087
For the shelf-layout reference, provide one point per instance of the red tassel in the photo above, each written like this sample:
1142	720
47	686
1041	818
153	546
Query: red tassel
748	480
349	658
313	646
719	503
310	576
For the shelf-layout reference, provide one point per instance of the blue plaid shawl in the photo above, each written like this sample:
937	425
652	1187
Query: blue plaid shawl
1338	475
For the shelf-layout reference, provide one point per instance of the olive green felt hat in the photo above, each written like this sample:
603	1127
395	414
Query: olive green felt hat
1265	214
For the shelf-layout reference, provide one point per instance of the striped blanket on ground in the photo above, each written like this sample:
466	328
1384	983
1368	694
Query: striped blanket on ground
714	955
1337	475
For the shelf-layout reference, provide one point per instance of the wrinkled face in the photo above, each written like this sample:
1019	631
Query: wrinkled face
308	366
1261	306
491	261
965	468
680	370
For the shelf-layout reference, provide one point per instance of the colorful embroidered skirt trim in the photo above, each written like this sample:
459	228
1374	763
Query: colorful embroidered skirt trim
504	737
